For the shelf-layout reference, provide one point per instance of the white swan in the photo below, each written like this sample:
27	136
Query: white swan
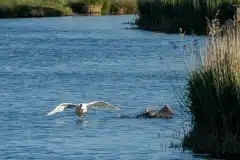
81	109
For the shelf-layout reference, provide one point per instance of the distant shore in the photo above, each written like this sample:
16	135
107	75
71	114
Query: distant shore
56	8
68	15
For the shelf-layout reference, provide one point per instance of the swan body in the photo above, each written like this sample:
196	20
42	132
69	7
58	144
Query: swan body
81	109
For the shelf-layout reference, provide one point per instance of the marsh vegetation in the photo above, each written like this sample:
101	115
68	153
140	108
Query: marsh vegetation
191	16
43	8
33	8
212	94
103	6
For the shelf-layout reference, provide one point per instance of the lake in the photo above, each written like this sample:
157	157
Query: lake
48	61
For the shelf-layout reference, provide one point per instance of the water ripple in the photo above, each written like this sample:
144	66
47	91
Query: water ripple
48	61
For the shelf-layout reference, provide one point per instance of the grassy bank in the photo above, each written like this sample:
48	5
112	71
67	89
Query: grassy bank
104	6
43	8
213	96
190	15
33	8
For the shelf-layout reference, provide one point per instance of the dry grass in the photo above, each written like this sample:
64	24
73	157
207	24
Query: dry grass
213	95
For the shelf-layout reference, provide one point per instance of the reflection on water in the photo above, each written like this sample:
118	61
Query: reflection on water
81	122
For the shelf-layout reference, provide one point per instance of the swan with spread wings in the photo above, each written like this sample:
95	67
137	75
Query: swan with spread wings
81	109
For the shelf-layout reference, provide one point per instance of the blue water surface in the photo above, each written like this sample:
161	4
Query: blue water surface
48	61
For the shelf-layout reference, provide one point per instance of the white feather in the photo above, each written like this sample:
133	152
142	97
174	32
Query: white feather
100	105
84	107
61	107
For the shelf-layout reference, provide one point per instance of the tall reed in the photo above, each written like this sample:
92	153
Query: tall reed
190	15
213	95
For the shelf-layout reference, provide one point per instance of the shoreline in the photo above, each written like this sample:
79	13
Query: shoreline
73	15
50	8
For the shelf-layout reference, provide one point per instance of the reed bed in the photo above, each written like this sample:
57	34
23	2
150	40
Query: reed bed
212	97
190	15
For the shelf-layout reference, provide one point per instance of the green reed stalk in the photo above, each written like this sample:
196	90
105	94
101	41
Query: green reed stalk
213	95
190	15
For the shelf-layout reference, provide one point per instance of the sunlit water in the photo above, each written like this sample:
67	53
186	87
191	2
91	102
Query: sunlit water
48	61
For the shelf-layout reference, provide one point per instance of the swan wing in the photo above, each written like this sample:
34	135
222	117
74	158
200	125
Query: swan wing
101	105
61	107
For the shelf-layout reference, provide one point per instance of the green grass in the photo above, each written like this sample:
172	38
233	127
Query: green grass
41	8
33	8
213	95
190	15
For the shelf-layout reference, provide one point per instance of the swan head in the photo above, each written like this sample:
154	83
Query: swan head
146	111
83	108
